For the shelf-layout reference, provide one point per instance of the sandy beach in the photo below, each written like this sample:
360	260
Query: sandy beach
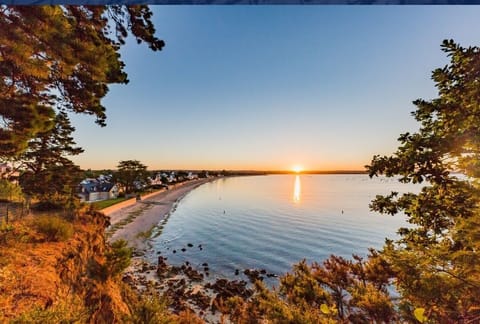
134	223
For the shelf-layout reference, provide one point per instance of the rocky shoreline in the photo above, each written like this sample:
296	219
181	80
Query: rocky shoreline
186	287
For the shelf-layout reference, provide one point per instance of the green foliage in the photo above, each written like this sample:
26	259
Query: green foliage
54	228
164	179
10	191
356	289
436	261
40	316
55	184
270	307
67	312
118	257
339	290
50	175
151	309
131	172
6	231
5	227
61	58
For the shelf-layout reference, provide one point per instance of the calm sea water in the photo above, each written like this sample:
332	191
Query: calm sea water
273	222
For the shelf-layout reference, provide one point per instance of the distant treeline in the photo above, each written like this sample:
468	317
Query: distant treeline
249	172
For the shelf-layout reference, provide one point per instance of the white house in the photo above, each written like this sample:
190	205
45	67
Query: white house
94	190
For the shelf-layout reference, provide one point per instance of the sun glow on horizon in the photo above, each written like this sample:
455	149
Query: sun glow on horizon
297	168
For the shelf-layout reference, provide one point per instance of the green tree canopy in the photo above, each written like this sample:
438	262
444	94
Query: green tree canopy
49	174
436	261
52	147
61	59
129	173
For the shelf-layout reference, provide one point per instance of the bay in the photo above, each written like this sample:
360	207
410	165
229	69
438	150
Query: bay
272	222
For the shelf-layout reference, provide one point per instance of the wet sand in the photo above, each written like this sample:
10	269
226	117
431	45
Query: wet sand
144	215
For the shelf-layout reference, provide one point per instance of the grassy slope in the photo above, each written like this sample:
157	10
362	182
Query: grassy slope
48	281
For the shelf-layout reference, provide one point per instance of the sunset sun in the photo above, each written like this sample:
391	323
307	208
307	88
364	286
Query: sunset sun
297	169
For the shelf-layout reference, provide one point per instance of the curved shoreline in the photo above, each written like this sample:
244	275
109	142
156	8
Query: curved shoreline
139	219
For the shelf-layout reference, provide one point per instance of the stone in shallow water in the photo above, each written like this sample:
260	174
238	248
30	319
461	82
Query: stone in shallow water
253	275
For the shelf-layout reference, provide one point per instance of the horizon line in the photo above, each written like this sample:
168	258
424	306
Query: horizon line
340	171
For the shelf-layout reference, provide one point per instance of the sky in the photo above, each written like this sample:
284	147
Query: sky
273	87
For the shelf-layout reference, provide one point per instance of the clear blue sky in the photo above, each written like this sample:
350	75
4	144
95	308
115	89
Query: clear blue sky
270	87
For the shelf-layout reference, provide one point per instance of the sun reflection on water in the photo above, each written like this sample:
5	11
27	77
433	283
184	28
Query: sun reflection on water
297	189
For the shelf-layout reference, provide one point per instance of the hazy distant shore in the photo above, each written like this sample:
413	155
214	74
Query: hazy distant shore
142	217
319	172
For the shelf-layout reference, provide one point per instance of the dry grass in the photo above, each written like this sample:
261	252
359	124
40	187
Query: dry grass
28	275
55	282
50	280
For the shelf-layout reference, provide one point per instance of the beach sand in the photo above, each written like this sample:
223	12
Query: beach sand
141	274
144	215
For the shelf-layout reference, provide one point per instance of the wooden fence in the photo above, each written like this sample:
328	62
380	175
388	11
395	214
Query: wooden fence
12	210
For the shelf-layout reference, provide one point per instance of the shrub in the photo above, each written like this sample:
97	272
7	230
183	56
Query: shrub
10	191
47	206
5	227
54	228
151	309
70	311
118	258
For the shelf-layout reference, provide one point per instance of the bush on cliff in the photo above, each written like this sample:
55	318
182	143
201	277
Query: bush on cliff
69	311
54	228
118	258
